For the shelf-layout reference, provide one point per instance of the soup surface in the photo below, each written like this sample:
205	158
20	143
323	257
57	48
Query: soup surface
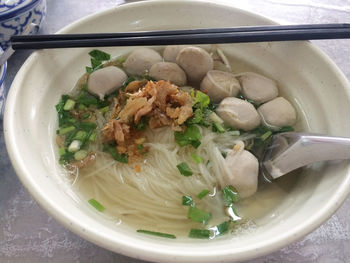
168	144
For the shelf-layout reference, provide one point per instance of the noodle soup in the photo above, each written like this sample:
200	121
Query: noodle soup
166	144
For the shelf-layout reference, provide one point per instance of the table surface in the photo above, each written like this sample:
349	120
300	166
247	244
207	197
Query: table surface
29	234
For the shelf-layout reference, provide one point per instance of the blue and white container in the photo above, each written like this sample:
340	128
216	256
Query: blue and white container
3	91
16	15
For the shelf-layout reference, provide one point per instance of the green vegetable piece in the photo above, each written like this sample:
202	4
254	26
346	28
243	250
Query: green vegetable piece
266	135
198	215
95	63
202	99
61	103
66	157
86	115
92	137
87	126
187	200
140	147
96	204
69	104
104	109
192	136
123	158
233	213
197	117
142	124
83	107
89	69
224	154
217	127
80	135
221	228
65	130
196	158
230	195
286	129
99	55
199	233
184	169
80	155
61	151
158	234
203	193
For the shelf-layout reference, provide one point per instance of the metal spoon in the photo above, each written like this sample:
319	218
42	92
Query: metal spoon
290	150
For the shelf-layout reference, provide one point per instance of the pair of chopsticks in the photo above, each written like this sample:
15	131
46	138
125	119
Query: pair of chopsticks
190	36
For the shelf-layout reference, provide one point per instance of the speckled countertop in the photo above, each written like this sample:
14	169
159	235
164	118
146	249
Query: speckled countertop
29	234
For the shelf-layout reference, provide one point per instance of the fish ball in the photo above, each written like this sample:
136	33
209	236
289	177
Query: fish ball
257	87
238	113
168	71
195	61
141	60
243	168
170	52
278	112
106	80
219	85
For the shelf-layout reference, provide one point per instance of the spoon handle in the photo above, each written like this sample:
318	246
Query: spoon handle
289	151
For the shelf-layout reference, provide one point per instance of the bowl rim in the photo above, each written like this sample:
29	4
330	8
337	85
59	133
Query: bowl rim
150	253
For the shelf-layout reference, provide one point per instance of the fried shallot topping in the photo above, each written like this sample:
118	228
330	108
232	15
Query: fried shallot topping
161	103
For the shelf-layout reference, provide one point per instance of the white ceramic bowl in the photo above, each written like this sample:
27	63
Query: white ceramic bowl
304	72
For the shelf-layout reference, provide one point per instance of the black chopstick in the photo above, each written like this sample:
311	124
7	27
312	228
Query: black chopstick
191	36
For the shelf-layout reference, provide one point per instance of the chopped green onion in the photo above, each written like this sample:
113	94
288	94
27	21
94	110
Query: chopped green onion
82	107
69	104
123	158
92	137
233	213
96	204
86	99
224	154
74	146
187	200
140	147
87	126
217	127
199	233
86	115
158	234
196	158
80	155
99	55
142	124
184	169
198	215
104	109
89	69
286	129
80	135
192	136
266	135
230	195
203	193
65	130
61	151
65	158
61	103
221	228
